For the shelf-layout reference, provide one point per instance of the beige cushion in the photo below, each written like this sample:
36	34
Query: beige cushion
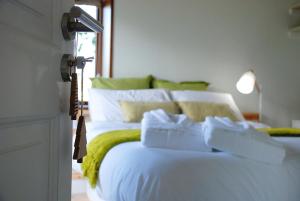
133	111
197	111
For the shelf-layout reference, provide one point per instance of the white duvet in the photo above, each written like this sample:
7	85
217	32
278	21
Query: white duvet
131	172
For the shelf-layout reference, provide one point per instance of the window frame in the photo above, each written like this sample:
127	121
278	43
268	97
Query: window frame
99	49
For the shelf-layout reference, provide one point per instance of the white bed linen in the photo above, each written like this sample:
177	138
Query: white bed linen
131	172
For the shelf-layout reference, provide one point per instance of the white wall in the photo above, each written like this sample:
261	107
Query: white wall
215	41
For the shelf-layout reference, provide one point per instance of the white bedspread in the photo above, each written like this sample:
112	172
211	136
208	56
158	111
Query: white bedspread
131	172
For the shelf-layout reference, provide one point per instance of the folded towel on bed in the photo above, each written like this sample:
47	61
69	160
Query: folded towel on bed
241	139
163	130
99	146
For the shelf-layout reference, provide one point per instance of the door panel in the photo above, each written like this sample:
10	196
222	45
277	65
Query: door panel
24	157
35	15
35	130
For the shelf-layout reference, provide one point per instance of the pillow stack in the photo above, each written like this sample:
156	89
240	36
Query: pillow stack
127	99
146	83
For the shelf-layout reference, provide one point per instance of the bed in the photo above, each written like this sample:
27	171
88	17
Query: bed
132	172
162	174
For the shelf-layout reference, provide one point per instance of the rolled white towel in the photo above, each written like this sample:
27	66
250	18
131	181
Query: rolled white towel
242	140
163	130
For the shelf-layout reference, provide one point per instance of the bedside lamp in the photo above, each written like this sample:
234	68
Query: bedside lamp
246	85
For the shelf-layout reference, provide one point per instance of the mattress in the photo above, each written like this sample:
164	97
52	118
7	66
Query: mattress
131	172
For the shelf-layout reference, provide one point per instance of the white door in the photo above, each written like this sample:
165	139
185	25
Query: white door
35	135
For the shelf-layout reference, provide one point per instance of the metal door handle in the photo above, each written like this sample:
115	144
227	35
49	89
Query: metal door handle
69	63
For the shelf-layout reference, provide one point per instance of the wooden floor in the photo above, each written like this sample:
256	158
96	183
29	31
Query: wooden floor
80	197
78	187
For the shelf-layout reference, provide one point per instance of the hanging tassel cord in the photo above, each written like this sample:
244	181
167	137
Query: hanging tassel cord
81	106
73	111
80	140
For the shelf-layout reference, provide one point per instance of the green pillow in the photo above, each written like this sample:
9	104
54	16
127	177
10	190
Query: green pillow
198	111
121	83
165	84
134	111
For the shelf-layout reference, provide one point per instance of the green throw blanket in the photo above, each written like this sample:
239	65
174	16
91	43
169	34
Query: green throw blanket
99	146
281	132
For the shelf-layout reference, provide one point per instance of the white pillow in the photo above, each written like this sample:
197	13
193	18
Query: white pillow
104	104
204	96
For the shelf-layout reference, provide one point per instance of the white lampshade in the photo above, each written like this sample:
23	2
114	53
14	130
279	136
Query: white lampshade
246	83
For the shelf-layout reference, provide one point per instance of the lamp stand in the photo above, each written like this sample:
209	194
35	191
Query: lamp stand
260	106
260	96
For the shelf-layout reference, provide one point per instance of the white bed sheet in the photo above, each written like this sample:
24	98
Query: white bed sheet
131	172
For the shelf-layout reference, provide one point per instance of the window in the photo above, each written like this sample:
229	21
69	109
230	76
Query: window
86	47
99	46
